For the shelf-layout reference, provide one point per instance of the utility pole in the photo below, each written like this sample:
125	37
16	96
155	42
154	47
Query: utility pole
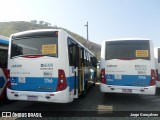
87	34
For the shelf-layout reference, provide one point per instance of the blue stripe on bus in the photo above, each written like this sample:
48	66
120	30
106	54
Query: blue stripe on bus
4	41
2	82
34	84
129	80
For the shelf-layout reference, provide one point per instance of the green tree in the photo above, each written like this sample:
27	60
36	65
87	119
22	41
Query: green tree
34	21
41	22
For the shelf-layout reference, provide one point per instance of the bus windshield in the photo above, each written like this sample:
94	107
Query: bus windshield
130	49
35	46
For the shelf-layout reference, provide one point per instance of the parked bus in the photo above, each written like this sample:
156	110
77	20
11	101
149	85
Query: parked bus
128	66
157	64
4	41
48	65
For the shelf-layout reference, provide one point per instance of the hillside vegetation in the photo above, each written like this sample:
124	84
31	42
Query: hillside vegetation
8	28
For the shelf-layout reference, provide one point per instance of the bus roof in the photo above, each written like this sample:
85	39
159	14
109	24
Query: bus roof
41	31
4	39
120	39
29	33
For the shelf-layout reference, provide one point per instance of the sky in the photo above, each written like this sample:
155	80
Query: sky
107	19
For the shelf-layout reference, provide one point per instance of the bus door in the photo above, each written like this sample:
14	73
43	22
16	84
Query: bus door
73	61
80	70
75	51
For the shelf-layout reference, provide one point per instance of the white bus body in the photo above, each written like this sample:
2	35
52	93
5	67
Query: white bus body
128	66
50	70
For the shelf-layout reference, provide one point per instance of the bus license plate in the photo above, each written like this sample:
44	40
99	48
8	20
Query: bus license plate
127	90
32	98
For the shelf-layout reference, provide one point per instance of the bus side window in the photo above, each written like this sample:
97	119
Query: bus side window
75	55
72	51
84	54
88	59
91	60
94	61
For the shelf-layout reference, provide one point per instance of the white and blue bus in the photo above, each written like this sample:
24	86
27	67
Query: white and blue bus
49	65
157	64
128	66
4	41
